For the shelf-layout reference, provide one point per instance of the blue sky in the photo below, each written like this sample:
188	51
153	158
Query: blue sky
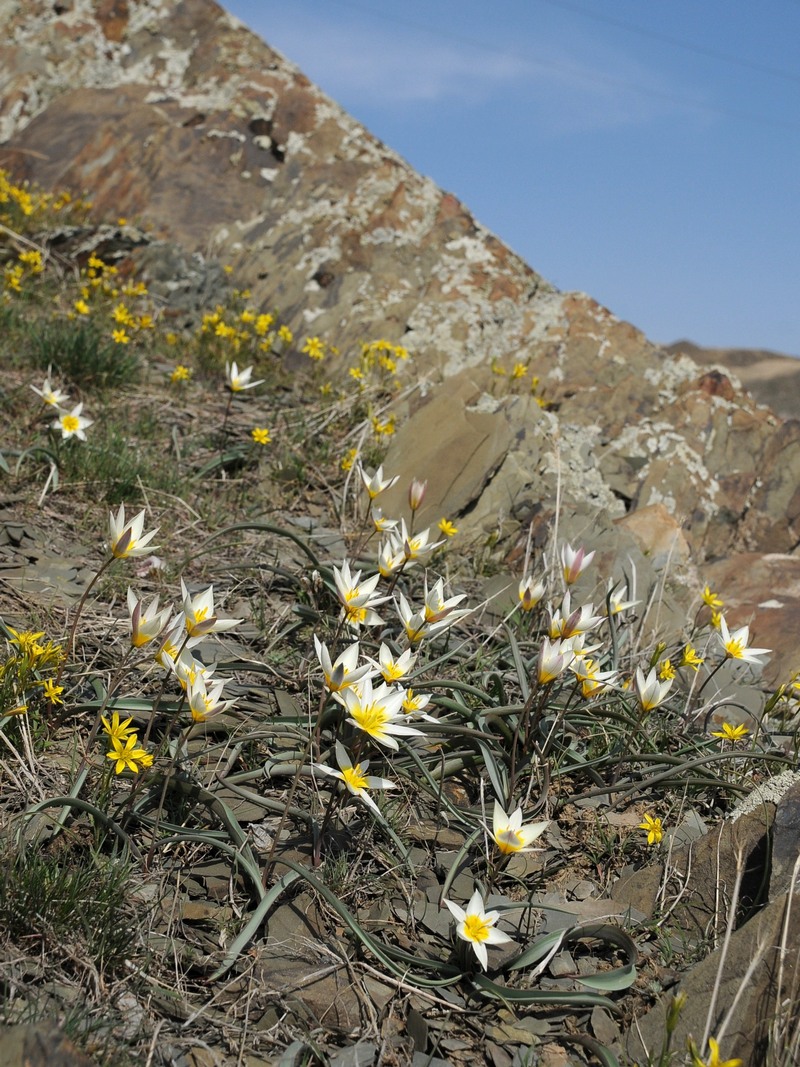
646	153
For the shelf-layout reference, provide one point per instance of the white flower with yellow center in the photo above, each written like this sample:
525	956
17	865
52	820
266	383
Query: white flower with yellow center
357	598
72	423
198	613
436	608
568	623
391	557
530	592
393	667
414	705
509	833
735	644
650	691
204	701
477	927
355	777
345	671
376	711
616	601
125	538
381	523
593	680
574	562
146	622
414	545
376	483
239	380
55	398
554	658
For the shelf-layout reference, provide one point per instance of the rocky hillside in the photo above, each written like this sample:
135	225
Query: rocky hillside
175	116
772	379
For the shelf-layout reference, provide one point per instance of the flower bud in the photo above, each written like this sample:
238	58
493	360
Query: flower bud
416	493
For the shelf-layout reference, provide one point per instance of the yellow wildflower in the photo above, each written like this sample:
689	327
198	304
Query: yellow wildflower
314	348
713	600
52	692
652	828
448	528
120	337
261	435
666	671
727	732
128	756
690	658
180	374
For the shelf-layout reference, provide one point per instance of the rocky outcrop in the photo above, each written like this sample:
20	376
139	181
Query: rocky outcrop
175	116
773	379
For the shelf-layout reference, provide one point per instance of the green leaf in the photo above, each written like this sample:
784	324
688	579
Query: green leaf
539	949
610	981
253	924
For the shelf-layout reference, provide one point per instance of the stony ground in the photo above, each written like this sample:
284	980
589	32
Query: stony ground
205	910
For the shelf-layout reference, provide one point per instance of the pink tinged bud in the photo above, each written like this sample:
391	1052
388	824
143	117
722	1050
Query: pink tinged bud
416	493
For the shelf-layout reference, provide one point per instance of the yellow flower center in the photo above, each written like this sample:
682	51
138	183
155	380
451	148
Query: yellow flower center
354	778
355	614
391	672
509	840
735	648
371	719
71	423
476	928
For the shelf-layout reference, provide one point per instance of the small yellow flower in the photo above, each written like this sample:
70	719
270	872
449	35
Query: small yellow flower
81	307
227	268
448	528
262	324
713	1059
727	732
383	429
690	658
286	335
713	600
117	731
716	619
180	374
120	337
519	370
261	435
666	671
171	338
314	348
652	828
128	756
52	692
25	640
348	459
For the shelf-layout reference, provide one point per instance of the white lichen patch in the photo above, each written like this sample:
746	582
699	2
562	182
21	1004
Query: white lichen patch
769	792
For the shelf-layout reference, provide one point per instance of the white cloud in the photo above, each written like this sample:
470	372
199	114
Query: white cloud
588	87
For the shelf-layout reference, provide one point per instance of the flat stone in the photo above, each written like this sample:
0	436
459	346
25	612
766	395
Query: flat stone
39	1045
749	974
